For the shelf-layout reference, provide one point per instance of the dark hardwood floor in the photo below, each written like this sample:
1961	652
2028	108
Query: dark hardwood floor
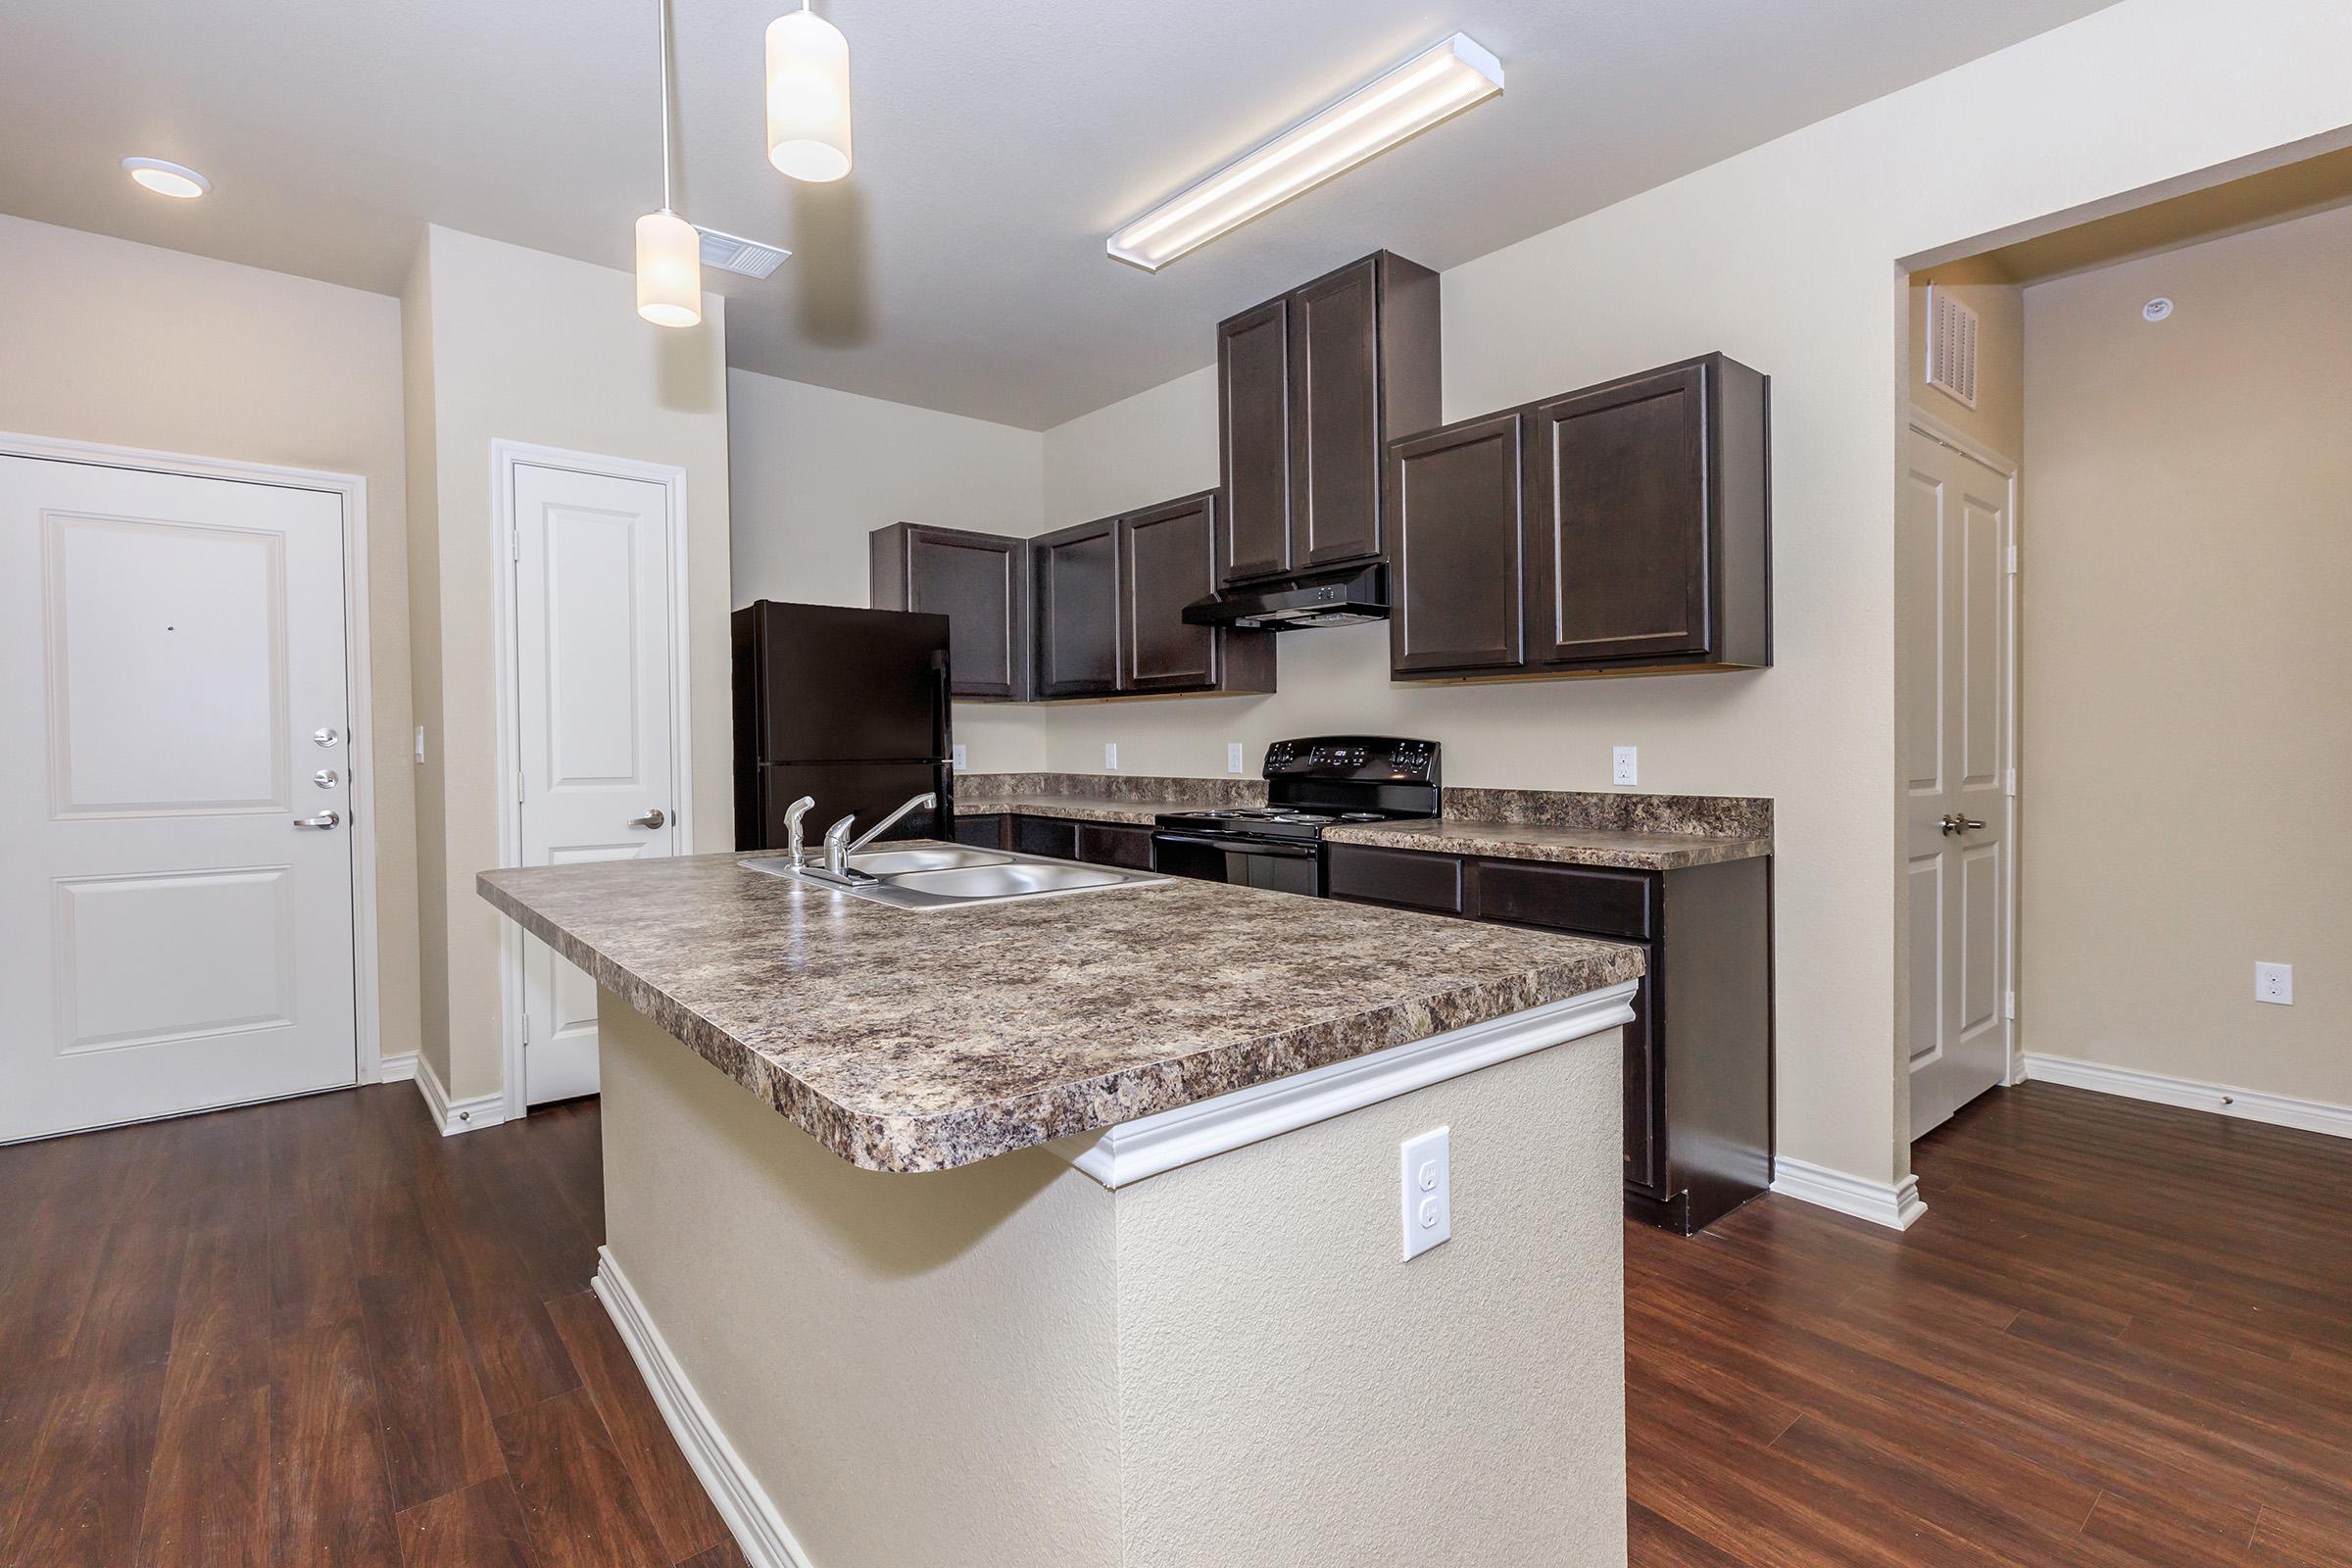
2120	1335
315	1333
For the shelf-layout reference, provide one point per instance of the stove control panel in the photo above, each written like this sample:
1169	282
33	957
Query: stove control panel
1363	758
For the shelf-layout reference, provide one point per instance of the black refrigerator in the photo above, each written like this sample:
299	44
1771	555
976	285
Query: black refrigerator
847	705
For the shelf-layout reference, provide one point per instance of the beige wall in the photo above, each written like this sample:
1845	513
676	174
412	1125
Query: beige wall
814	471
536	348
1787	256
1998	421
2187	565
107	341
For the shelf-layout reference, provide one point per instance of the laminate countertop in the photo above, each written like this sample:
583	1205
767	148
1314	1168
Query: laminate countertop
1560	844
908	1041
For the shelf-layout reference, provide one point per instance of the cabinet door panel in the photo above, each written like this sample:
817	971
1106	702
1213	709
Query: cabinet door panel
1405	877
1047	836
1618	510
1253	412
1078	611
1568	897
1456	598
1645	1093
1110	844
1167	558
980	582
1335	336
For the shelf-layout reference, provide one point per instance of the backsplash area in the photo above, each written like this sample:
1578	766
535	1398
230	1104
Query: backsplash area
1210	791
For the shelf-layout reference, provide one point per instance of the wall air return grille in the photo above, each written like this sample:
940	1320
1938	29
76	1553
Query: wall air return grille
734	254
1951	346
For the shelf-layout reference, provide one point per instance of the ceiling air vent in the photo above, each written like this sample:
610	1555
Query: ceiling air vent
1951	346
732	253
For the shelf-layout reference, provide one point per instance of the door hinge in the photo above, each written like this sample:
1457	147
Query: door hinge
518	786
526	1028
2009	1006
2012	560
515	547
2009	784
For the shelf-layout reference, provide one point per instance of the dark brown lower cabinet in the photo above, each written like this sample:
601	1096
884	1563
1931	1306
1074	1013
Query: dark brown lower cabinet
1699	1052
1095	843
993	831
1113	844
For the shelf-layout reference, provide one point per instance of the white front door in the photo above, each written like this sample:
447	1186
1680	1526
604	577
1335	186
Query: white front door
596	734
175	921
1953	570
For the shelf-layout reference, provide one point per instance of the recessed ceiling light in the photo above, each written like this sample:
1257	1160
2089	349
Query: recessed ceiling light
1439	83
168	180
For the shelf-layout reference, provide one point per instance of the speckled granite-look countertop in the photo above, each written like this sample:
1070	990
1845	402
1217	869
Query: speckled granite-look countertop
917	1042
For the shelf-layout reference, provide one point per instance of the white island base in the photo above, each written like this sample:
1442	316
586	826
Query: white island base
1217	1362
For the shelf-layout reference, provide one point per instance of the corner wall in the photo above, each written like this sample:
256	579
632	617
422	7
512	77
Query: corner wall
531	347
107	341
2186	561
1788	257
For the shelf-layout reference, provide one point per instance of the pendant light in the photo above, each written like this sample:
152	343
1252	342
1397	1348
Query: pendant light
670	253
808	96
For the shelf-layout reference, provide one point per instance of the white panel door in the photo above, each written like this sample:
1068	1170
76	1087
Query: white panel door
1953	577
175	921
597	738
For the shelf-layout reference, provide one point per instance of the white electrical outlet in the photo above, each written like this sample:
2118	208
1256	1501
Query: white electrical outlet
1111	756
2275	982
1425	1172
958	758
1624	764
1233	756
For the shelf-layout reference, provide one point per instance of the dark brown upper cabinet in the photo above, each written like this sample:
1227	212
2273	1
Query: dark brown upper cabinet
1078	610
979	581
1310	387
1638	538
1455	595
1111	597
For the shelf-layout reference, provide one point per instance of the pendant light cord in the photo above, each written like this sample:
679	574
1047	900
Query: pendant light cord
662	6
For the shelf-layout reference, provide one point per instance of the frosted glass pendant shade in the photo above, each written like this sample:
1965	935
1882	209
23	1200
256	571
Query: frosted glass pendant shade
807	97
669	270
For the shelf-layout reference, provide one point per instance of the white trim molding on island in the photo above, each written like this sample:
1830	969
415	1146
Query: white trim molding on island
1132	1151
2247	1104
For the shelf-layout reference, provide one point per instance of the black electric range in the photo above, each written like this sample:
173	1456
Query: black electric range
1313	784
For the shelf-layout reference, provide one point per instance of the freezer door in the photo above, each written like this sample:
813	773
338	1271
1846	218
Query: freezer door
870	791
833	685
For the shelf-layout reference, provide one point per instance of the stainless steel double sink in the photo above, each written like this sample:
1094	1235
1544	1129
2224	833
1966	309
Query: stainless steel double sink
950	878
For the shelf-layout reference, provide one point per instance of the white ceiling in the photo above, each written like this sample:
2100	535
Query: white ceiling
960	265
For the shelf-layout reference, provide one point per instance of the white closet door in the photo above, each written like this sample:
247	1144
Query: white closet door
593	640
175	921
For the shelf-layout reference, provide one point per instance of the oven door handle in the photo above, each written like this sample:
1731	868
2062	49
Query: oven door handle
1293	851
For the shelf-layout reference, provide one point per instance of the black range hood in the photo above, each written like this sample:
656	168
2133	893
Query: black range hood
1340	597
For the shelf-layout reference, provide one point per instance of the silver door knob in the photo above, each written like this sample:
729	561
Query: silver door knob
651	818
322	819
326	737
1960	824
326	778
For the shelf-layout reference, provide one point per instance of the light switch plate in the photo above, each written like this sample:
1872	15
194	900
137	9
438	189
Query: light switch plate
1233	756
957	757
1111	756
1425	1174
1624	764
2275	982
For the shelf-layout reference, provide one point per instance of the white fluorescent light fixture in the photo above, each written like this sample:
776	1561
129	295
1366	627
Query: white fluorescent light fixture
1436	84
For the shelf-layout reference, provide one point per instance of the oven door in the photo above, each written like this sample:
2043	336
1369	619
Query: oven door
1248	863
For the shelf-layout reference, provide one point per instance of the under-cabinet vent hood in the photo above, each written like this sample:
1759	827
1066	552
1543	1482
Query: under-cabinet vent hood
1339	598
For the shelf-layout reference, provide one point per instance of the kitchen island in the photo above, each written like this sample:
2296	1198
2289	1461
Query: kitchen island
1069	1230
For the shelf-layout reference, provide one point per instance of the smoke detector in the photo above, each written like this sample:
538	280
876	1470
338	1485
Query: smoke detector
732	253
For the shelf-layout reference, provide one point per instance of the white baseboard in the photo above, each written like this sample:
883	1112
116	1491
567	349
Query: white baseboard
1896	1205
397	1069
2252	1104
453	1116
740	1499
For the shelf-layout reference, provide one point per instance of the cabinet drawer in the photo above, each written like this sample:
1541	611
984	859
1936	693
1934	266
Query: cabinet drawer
1608	903
1393	876
1048	836
1109	844
982	832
